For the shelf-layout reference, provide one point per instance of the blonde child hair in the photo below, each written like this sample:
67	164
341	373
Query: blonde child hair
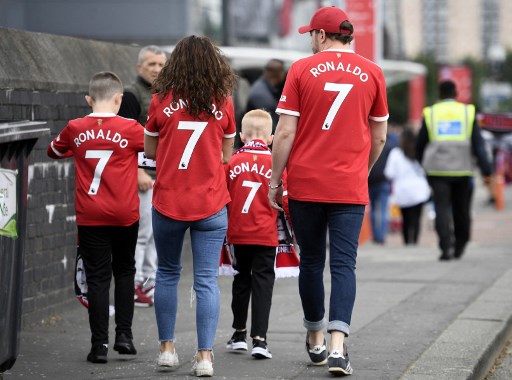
257	124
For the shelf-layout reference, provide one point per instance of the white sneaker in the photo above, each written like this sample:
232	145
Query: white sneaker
203	368
168	359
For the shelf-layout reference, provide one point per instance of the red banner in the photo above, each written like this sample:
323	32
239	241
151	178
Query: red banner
416	100
462	76
285	17
363	16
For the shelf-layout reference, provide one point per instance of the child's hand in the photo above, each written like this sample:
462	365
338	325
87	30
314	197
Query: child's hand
144	180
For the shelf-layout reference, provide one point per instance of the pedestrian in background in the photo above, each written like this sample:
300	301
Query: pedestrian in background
252	230
331	130
447	141
266	90
240	98
107	209
409	185
135	105
190	132
379	189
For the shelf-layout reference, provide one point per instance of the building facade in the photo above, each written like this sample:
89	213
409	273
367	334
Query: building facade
451	30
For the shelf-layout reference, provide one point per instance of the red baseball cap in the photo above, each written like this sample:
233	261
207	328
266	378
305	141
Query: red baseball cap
328	19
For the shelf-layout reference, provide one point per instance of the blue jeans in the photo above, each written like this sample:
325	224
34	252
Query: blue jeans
310	221
379	196
207	237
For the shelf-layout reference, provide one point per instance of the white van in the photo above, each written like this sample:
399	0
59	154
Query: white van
249	62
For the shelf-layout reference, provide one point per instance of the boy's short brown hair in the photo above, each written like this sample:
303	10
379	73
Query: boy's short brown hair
104	85
257	123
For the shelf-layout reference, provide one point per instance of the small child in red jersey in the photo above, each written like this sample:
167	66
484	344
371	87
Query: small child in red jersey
252	230
104	148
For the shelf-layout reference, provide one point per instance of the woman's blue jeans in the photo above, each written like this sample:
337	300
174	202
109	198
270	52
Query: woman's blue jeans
207	237
310	222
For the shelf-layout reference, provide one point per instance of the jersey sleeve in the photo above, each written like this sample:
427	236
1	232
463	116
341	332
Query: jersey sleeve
59	147
379	111
289	102
151	127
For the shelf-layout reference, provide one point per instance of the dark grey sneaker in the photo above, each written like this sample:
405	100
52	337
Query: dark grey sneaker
339	365
260	349
318	353
238	341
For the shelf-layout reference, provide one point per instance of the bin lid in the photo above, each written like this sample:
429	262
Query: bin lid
22	130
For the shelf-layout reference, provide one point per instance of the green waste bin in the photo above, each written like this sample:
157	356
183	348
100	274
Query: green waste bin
16	141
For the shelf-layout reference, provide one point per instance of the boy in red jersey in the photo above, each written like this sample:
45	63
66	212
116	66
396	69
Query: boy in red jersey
104	148
252	229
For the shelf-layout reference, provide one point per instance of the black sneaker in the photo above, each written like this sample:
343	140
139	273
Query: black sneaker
260	350
458	252
124	345
446	255
317	354
238	341
98	354
339	365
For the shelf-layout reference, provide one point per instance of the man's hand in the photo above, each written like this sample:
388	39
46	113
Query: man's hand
144	180
275	197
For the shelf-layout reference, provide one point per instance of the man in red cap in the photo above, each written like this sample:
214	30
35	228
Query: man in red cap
332	128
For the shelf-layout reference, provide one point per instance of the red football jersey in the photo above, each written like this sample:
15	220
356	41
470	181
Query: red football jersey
105	149
190	181
333	93
251	219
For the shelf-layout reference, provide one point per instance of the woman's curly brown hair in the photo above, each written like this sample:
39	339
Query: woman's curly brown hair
196	72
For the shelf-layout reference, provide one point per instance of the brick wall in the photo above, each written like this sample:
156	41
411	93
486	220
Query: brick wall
45	78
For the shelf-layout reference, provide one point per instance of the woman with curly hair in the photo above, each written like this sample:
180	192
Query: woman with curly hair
190	132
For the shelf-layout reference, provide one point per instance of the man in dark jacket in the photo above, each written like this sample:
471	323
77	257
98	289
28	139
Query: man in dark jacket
265	91
135	105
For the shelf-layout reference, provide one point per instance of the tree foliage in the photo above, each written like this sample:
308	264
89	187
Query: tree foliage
398	103
482	71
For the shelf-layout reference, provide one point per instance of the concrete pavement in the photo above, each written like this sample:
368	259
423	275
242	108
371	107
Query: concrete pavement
414	318
502	369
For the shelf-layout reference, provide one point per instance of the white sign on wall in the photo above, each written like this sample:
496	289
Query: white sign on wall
8	203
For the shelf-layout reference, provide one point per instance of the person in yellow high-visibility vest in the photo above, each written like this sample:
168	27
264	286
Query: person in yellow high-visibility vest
447	141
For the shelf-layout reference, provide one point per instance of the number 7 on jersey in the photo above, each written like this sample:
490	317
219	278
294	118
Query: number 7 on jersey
342	90
104	156
198	128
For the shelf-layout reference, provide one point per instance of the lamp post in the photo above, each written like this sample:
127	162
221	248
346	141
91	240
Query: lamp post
226	23
496	56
